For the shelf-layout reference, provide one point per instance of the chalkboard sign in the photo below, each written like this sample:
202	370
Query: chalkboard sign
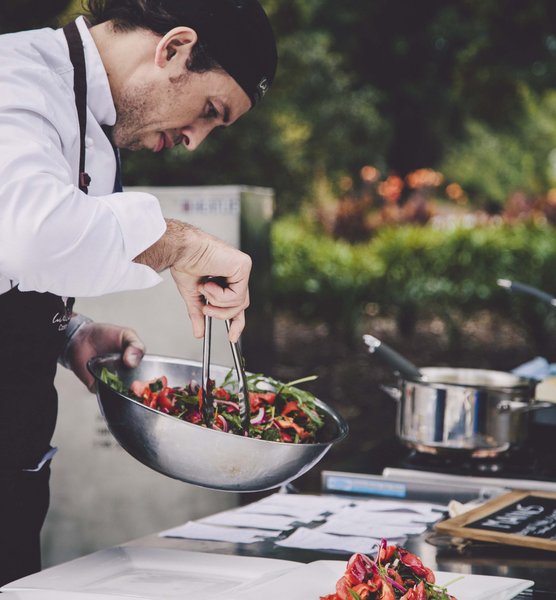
518	518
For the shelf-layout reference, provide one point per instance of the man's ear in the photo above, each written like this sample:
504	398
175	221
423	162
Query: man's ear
178	41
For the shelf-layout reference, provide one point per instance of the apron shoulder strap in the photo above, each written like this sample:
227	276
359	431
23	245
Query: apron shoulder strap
77	57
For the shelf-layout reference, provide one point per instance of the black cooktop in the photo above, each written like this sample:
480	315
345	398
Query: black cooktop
535	460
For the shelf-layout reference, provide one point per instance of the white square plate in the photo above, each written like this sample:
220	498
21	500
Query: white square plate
151	574
319	578
58	595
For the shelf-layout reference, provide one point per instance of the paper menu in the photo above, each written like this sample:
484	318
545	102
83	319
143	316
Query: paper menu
333	523
237	518
199	531
313	539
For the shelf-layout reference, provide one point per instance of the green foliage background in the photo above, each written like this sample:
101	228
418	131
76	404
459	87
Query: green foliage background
398	84
467	87
414	272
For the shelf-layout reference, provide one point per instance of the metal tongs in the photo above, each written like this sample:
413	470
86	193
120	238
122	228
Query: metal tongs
207	399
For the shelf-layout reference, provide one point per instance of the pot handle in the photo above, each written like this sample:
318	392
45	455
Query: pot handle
520	407
395	361
392	391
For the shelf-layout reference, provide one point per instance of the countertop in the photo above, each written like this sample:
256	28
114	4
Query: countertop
436	553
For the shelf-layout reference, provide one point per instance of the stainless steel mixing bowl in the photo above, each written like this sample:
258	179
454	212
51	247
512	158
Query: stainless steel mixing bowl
195	454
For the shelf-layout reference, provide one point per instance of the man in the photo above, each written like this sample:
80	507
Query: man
140	74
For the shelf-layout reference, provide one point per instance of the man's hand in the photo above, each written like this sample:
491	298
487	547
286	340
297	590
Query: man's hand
92	339
193	257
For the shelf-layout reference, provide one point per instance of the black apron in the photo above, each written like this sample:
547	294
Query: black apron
32	326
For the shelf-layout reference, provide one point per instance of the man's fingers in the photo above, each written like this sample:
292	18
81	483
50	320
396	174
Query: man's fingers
132	356
236	327
195	311
133	348
235	295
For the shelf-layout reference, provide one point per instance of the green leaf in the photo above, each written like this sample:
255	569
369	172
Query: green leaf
112	380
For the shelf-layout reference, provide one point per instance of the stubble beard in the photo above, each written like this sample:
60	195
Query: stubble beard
132	110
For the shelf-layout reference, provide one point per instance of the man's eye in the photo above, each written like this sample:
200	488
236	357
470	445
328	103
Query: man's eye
211	112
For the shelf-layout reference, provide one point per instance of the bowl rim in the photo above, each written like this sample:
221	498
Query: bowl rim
342	426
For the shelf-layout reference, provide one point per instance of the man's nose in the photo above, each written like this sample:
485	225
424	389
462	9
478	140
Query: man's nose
193	136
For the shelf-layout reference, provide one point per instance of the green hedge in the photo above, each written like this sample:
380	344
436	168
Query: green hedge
410	271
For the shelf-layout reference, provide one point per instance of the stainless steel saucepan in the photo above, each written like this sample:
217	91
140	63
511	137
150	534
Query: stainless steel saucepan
195	454
478	411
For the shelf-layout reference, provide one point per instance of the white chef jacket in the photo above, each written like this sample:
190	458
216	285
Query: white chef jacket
53	237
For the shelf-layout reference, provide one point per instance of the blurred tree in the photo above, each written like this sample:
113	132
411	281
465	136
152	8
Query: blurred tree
392	83
491	164
439	62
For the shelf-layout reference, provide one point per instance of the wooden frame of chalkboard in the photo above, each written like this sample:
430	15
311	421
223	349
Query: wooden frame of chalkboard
517	518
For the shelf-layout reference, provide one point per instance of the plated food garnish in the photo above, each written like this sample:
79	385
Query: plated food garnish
280	412
395	574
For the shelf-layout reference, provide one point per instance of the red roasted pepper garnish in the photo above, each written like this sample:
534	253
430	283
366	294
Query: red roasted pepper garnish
417	593
387	578
386	553
358	568
387	592
395	576
364	590
415	564
291	406
287	423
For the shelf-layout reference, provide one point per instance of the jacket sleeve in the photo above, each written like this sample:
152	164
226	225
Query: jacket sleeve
55	238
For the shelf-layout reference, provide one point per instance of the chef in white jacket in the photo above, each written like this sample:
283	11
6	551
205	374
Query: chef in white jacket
138	74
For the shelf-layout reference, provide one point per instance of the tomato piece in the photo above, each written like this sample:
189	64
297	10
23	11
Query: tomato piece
257	398
267	397
285	437
194	417
138	387
163	400
221	393
254	401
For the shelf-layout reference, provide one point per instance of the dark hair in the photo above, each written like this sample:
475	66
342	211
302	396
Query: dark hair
127	15
233	35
